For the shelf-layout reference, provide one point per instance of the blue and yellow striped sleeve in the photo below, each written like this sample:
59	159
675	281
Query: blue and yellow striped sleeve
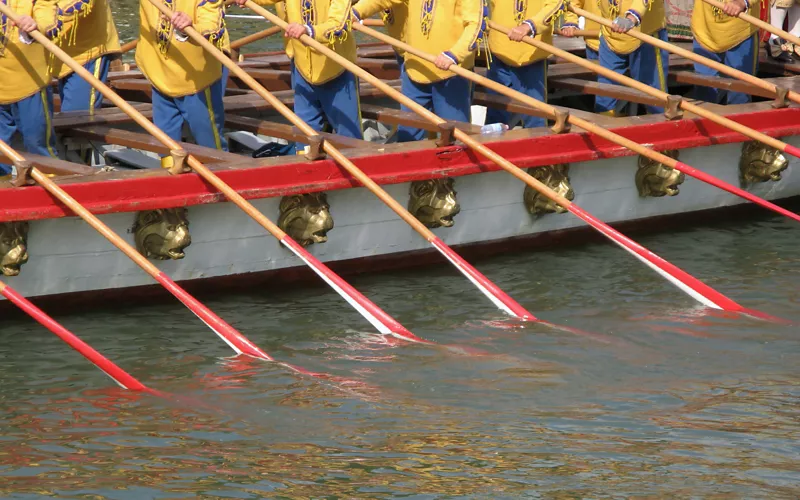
473	13
210	20
337	24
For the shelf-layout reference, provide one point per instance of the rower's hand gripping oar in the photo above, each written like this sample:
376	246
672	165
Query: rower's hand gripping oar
492	291
759	23
688	54
382	321
686	106
689	284
117	374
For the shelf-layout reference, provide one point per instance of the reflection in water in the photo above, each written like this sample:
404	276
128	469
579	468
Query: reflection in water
660	400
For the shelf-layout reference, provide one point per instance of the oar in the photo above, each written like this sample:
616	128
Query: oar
230	335
382	321
688	54
127	47
692	286
584	33
494	293
758	22
687	106
117	374
238	44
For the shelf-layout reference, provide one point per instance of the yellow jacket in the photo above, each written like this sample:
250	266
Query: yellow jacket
89	32
538	13
717	31
453	27
571	19
649	12
24	67
329	23
174	67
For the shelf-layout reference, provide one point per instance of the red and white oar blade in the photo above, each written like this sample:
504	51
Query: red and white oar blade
714	181
678	277
382	322
231	336
492	291
117	374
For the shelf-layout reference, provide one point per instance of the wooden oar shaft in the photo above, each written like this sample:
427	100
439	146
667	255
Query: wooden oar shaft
127	47
235	45
647	89
758	22
688	54
584	33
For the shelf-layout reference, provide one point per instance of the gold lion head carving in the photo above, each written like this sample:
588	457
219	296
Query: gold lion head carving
13	247
306	217
760	163
656	179
434	202
162	234
556	177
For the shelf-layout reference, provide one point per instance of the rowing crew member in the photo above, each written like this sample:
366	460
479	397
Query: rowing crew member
722	37
570	26
620	52
324	93
453	29
520	66
188	83
26	99
90	37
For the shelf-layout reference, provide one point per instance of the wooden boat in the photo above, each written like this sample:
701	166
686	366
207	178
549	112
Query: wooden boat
470	203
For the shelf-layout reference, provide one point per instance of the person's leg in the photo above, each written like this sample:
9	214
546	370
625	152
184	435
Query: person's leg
421	94
499	72
306	104
707	94
8	127
452	99
617	63
77	94
649	65
777	16
205	114
531	80
34	119
167	116
592	54
340	102
743	57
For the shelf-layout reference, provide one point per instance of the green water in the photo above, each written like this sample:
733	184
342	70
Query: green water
663	399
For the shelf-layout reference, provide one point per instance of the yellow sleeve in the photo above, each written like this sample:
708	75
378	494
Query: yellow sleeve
267	2
638	9
49	17
337	24
543	20
473	13
210	20
368	8
571	18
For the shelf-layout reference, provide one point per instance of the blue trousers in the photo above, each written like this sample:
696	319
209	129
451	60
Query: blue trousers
76	93
646	64
531	80
592	54
203	112
743	57
335	103
451	99
33	118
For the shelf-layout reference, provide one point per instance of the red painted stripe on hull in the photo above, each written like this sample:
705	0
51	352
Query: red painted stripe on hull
496	294
229	334
699	174
677	276
389	322
119	375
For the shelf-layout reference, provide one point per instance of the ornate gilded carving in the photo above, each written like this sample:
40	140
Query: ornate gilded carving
656	179
306	217
760	163
434	202
556	177
162	234
13	247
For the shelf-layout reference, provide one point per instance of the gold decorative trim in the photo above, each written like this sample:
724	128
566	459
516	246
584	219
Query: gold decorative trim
656	179
433	202
556	177
306	218
13	247
162	234
760	163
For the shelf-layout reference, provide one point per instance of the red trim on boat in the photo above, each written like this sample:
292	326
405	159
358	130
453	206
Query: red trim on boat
395	165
